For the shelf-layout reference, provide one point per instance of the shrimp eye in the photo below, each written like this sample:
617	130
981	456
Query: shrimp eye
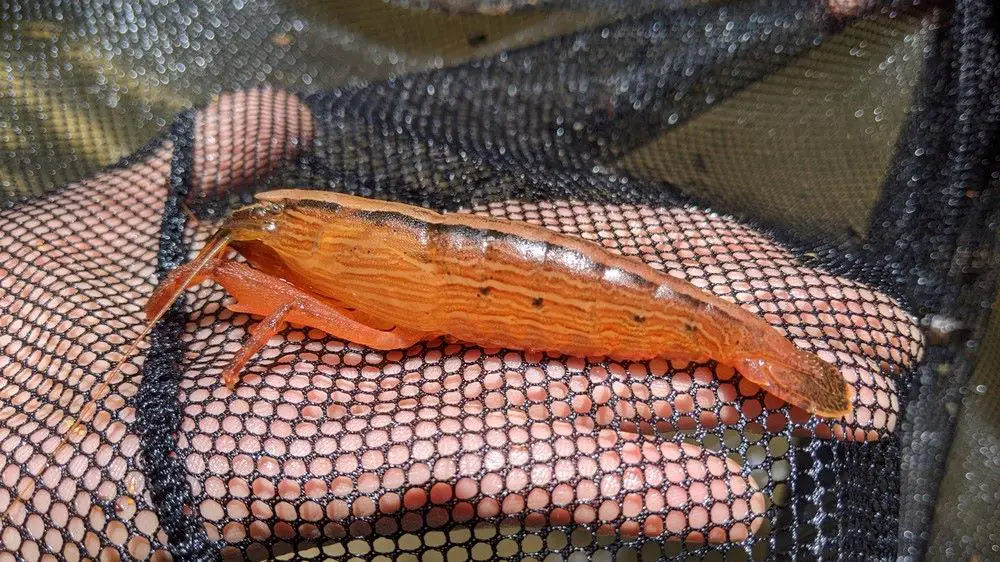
267	209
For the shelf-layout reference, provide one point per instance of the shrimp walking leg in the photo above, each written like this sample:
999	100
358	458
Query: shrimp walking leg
258	293
267	328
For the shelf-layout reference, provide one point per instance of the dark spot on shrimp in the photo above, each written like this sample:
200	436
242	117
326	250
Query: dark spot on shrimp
537	302
484	291
691	327
638	318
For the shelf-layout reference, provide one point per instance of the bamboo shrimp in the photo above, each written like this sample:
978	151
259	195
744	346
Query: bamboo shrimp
387	275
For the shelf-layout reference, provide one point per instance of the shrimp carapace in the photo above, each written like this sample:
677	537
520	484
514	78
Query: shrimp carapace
387	275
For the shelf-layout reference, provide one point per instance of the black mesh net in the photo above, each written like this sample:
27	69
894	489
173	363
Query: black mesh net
829	165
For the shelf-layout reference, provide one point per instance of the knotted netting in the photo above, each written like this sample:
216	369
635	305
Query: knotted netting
828	165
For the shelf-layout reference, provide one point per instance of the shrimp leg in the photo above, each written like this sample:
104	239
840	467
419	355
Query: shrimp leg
268	327
279	302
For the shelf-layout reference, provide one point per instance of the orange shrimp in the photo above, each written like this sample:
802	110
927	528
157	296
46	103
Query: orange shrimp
387	275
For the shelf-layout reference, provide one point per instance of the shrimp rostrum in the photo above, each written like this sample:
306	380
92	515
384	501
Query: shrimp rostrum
387	275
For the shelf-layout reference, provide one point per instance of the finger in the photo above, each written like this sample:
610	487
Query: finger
681	395
678	493
245	136
850	8
74	265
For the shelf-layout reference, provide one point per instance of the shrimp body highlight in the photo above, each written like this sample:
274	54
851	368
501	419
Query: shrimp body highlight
387	275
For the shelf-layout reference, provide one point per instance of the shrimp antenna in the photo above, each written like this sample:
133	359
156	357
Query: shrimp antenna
159	303
190	214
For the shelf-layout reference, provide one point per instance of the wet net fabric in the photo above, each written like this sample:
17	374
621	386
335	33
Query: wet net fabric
816	163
